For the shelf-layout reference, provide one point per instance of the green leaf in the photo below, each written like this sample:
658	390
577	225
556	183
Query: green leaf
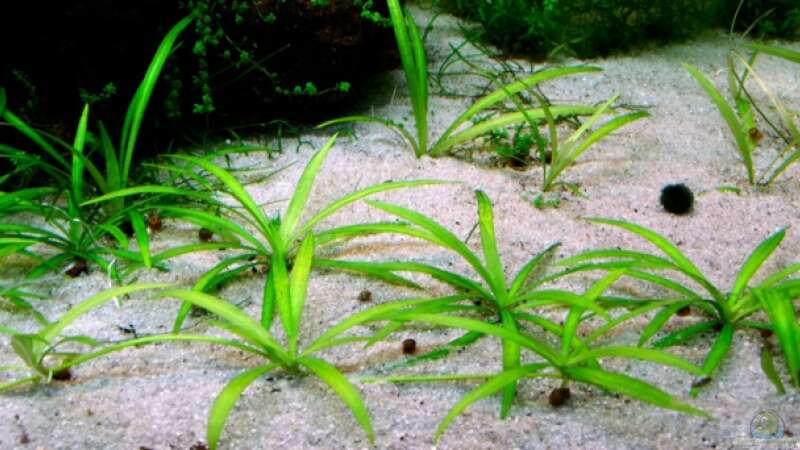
298	281
753	263
511	360
237	190
442	236
386	311
743	144
539	347
684	334
659	320
142	237
302	191
719	349
254	331
358	195
782	317
785	53
136	109
344	389
77	163
49	332
768	367
631	387
494	266
495	384
645	354
684	264
524	273
226	400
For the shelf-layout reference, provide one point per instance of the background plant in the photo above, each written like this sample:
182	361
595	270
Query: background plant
740	118
591	28
725	312
77	230
412	56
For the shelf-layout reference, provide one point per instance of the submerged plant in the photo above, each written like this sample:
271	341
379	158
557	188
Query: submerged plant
741	115
725	311
573	360
250	336
783	322
510	305
263	240
40	352
563	153
74	228
412	57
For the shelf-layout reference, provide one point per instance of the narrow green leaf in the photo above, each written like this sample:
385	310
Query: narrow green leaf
255	332
684	334
49	332
344	389
443	236
781	312
298	280
142	237
644	354
719	349
753	263
77	164
358	195
302	191
485	390
659	320
686	266
631	387
524	273
494	265
768	367
136	109
743	145
226	400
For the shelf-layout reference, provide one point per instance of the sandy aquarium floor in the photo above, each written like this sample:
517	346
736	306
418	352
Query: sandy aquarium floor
157	397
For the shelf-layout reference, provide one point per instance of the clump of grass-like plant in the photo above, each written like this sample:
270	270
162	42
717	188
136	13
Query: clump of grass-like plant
741	114
78	230
724	312
412	57
573	360
511	306
263	240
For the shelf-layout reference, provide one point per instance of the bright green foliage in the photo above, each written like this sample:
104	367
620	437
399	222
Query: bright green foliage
412	56
783	321
789	128
574	360
263	240
564	153
509	304
740	116
725	312
75	230
34	349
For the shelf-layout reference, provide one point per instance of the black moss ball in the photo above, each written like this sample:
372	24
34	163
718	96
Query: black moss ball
677	198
